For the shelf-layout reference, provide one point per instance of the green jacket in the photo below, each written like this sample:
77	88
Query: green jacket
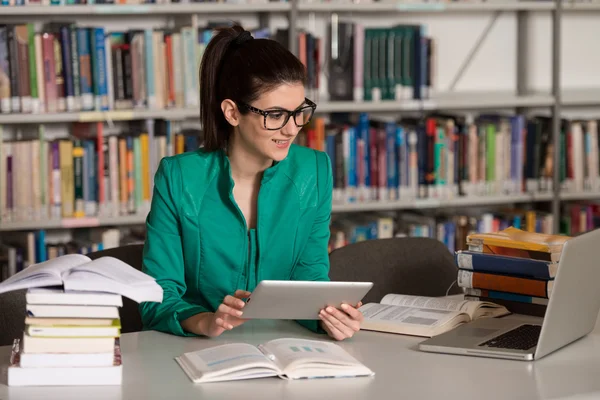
198	246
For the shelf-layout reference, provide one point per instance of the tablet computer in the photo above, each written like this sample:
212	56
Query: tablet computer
301	299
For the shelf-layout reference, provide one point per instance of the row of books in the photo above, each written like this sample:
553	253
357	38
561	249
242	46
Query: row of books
383	63
88	174
512	268
66	67
437	157
446	157
451	230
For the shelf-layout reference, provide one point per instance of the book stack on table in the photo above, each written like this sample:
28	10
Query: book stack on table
512	267
72	321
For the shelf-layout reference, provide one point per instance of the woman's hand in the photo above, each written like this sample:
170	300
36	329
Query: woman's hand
228	314
227	317
341	324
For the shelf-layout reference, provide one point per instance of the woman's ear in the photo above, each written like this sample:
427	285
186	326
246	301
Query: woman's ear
230	111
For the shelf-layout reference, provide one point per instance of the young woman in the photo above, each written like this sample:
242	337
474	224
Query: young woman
248	206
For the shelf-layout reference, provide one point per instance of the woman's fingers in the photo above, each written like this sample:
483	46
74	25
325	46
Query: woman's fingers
353	312
332	330
340	321
225	309
234	302
242	294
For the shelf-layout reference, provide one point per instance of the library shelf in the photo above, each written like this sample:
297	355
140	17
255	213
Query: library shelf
372	206
469	201
580	97
422	6
442	101
66	223
151	9
576	196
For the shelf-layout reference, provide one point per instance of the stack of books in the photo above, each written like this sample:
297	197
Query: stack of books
72	322
512	268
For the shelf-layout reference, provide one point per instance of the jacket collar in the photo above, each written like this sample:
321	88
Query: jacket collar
268	175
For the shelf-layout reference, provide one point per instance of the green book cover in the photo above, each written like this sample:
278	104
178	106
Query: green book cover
33	85
137	168
396	34
563	155
75	66
407	60
491	152
390	69
439	157
376	76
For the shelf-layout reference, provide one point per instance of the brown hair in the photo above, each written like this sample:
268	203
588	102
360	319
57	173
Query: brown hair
235	66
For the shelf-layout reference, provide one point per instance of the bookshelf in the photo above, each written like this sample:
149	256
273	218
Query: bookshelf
520	100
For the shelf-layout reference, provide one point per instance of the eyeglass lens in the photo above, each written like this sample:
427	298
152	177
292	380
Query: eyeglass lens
276	119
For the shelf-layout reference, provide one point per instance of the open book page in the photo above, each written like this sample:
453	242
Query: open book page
227	362
301	358
475	309
410	320
47	273
108	274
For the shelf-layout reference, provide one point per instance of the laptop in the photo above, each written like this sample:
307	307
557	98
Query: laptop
571	314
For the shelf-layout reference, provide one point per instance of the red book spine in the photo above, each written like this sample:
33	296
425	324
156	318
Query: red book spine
49	72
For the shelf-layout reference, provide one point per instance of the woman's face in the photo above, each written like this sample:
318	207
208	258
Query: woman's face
271	144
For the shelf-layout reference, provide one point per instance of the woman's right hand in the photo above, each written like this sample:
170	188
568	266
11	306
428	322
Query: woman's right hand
228	314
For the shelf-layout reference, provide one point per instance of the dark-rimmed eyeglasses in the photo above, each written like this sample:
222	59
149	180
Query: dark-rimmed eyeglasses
278	118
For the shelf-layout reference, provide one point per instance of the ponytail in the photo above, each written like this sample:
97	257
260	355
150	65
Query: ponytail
211	117
235	67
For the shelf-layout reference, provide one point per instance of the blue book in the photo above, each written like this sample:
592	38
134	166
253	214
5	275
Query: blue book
504	265
99	69
493	294
364	137
85	73
392	164
352	163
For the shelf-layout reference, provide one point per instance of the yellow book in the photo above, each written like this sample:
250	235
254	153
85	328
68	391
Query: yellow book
518	239
145	166
75	331
67	182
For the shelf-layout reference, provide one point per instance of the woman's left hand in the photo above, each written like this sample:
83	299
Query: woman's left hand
341	324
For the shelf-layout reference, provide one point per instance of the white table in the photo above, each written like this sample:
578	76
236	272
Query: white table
402	372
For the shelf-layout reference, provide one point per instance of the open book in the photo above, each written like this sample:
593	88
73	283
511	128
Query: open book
284	358
76	272
424	316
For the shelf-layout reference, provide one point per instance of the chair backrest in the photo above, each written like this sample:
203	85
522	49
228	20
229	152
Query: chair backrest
416	266
12	316
131	321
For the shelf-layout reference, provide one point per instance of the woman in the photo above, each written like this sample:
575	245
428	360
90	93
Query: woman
248	206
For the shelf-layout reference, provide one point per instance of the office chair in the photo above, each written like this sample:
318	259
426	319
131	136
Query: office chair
131	321
409	265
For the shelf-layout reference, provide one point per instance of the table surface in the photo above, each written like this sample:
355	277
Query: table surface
402	371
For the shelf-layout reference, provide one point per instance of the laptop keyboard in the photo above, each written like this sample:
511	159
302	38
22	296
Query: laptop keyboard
523	337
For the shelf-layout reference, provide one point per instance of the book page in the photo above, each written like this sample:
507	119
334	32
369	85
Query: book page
432	303
116	270
408	320
47	273
228	362
288	353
